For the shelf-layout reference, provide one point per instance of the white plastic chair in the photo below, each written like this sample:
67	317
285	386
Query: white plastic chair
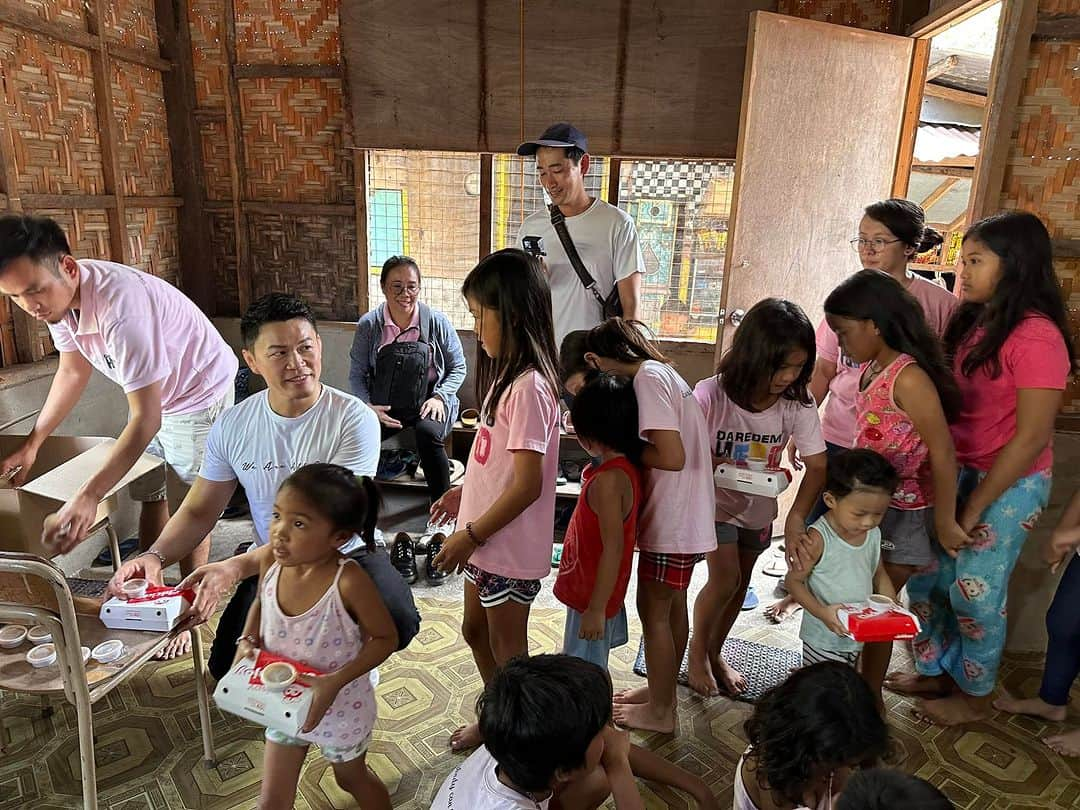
70	631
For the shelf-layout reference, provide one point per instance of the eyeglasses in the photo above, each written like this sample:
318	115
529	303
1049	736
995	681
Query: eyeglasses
877	244
398	289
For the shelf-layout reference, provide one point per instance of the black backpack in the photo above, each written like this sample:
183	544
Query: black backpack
400	378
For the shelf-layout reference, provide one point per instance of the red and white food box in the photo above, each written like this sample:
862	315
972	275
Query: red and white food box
158	611
868	625
768	482
242	692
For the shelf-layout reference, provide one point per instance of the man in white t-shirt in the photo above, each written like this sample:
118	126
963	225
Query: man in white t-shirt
605	236
297	420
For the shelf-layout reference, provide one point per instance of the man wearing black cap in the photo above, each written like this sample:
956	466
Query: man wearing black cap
603	235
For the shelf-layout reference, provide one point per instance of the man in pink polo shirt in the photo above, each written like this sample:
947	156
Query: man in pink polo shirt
143	334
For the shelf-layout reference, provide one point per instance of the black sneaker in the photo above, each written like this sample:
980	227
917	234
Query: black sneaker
435	545
403	557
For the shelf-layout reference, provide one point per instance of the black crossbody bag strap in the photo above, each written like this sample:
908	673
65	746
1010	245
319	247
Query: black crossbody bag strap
558	222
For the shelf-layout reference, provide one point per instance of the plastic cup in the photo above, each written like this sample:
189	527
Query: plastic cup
108	651
39	635
12	636
43	655
135	588
278	675
880	604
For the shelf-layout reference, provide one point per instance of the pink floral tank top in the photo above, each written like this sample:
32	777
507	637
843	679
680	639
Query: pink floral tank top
326	638
880	425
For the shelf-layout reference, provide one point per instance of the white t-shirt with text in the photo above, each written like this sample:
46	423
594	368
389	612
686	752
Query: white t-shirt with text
474	785
252	444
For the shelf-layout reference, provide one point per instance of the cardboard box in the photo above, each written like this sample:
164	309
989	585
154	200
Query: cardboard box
241	692
867	625
157	612
64	464
768	483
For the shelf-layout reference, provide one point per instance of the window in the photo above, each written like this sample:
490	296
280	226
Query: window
424	204
681	210
387	226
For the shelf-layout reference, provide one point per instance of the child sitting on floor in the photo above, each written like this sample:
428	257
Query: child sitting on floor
598	550
844	555
549	744
806	736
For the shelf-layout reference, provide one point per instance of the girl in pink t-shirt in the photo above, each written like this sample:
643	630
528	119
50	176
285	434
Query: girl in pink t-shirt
505	509
757	401
1012	354
318	608
905	400
675	529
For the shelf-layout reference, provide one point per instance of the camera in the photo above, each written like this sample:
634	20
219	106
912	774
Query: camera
533	245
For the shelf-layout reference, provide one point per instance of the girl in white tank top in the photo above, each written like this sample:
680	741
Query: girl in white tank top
317	608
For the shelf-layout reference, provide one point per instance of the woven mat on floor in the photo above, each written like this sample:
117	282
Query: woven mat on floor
763	666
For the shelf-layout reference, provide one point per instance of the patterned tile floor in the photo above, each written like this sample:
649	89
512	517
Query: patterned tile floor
149	756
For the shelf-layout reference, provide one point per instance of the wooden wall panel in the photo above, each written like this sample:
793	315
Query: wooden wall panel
142	130
208	51
67	12
281	32
223	257
153	244
872	15
131	23
638	78
293	141
215	155
312	257
49	92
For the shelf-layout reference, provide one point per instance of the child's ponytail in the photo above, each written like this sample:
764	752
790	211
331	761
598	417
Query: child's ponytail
348	501
623	340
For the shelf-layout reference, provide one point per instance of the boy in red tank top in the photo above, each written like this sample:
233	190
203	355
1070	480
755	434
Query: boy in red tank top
598	549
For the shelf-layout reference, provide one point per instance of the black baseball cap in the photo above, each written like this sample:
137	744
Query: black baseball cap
556	135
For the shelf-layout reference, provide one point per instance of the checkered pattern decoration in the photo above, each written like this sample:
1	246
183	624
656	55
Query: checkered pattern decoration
680	182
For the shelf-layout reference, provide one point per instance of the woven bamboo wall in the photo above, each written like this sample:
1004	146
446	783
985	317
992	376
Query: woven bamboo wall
873	15
287	32
142	131
1042	172
293	141
291	150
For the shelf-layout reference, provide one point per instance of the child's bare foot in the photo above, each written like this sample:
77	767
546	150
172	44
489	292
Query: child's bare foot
639	694
644	716
466	738
1036	707
730	679
1067	744
909	683
954	710
700	675
780	612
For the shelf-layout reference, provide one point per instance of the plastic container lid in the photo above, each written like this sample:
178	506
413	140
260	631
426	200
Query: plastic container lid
43	655
108	651
12	636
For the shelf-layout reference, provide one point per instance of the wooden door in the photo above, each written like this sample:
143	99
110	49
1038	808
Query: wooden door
822	112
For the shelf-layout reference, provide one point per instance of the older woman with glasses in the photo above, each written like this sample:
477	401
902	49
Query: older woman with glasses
407	364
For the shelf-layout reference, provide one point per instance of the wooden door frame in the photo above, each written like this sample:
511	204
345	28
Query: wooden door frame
1015	29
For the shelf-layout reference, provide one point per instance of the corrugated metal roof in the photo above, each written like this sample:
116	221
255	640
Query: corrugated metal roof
934	142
